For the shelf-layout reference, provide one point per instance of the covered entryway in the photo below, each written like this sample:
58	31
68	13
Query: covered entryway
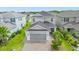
38	37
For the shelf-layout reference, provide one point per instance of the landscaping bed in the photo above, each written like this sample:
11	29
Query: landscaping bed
64	45
66	40
16	43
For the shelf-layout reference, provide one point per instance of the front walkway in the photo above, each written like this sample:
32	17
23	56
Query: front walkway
40	46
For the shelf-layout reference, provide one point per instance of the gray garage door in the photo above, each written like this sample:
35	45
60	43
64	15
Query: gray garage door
38	37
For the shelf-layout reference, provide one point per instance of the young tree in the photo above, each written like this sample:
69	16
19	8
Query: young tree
3	35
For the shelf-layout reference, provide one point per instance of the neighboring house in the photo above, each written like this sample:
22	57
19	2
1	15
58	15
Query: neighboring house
27	15
68	18
13	21
73	27
11	27
38	32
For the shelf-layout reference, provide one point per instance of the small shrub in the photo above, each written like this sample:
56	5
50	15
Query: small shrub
12	35
16	41
74	43
18	32
70	39
73	34
60	40
55	45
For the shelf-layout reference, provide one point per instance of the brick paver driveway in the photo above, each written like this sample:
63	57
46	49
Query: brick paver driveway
36	46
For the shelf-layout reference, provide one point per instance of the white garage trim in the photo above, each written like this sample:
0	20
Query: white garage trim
28	35
54	29
47	34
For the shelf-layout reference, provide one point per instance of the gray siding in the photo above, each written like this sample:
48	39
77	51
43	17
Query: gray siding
77	19
42	19
60	20
37	18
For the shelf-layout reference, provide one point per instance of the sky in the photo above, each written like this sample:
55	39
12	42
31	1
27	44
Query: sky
28	9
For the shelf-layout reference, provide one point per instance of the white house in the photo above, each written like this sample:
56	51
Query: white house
42	25
46	18
13	21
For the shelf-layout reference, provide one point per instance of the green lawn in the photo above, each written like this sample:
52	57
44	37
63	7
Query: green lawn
17	42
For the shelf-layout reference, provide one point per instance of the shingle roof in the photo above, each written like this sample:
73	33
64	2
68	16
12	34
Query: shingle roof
68	25
69	14
74	25
50	25
44	14
41	24
10	26
10	15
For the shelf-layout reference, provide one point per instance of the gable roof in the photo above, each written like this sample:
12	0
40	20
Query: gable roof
10	26
74	25
50	25
41	24
69	14
68	25
11	15
41	14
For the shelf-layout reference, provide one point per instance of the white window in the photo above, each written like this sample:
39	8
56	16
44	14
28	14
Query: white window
0	20
12	19
33	19
51	19
66	19
20	18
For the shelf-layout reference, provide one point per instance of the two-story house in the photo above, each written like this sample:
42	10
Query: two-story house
42	25
13	21
69	20
46	18
67	16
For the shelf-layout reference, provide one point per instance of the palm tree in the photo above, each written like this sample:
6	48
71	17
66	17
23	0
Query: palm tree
56	44
3	35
